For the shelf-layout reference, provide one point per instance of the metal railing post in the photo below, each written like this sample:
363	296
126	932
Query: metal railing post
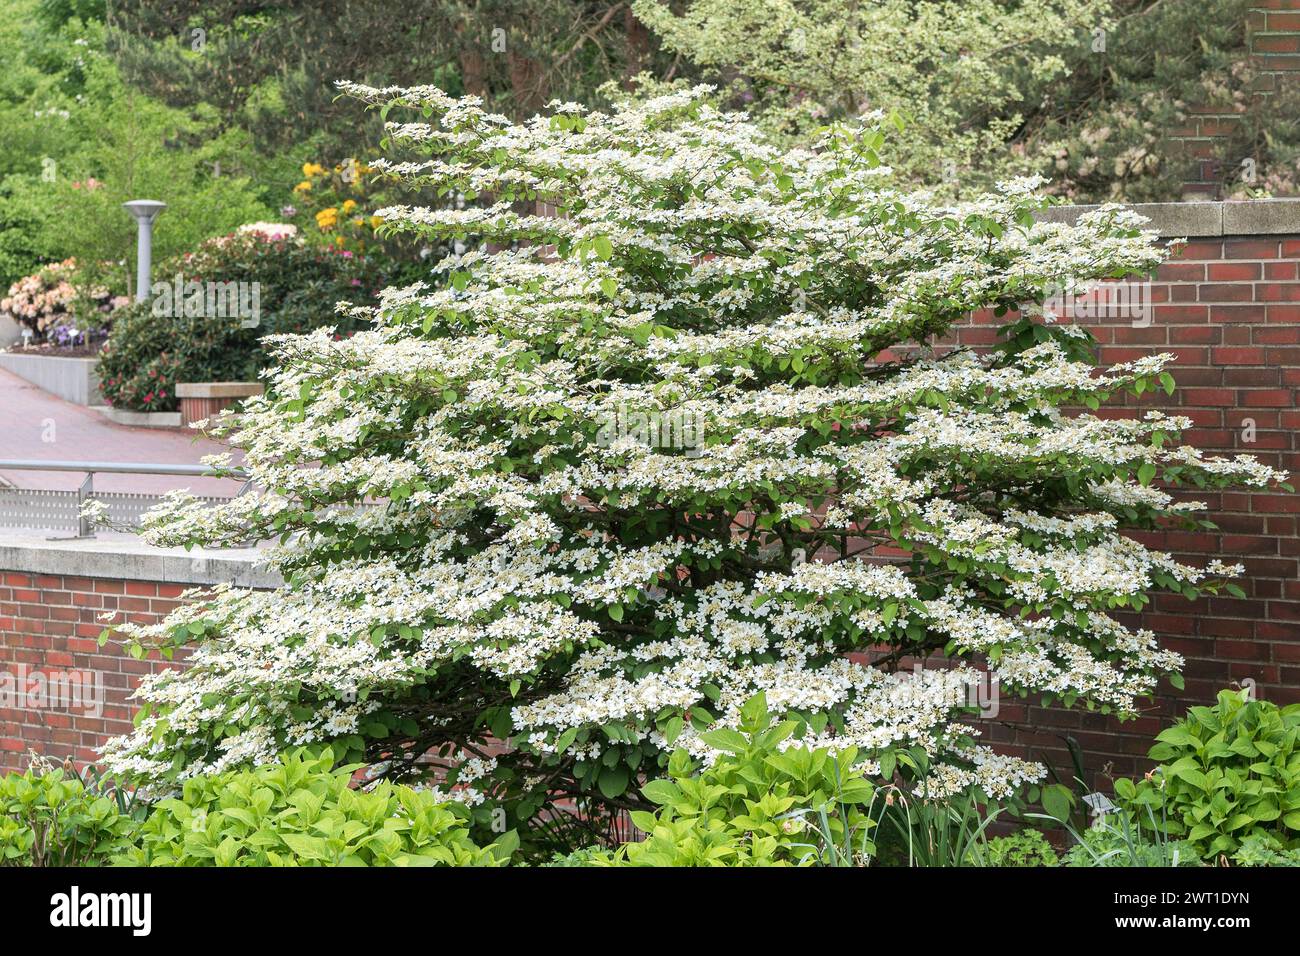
84	494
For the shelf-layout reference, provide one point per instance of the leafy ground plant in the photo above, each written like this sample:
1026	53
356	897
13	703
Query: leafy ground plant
1027	847
758	804
48	817
1117	840
1226	773
302	811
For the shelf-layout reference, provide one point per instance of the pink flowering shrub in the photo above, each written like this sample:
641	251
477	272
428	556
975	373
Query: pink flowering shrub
50	304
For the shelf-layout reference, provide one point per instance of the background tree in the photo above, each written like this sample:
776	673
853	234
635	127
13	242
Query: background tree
88	142
269	67
1088	92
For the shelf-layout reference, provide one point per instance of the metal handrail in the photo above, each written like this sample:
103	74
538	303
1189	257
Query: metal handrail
120	467
91	468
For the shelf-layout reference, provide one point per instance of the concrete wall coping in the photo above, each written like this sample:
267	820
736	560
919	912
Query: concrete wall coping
1250	217
218	389
128	558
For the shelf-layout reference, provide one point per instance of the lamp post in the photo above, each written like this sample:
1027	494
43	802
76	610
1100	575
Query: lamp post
144	212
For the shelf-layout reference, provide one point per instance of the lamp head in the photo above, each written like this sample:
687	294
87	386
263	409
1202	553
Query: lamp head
144	210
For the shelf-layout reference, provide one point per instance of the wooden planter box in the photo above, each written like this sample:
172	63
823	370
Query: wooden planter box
200	400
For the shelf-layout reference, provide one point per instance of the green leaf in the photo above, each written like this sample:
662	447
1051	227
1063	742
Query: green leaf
724	738
662	792
504	847
1058	801
673	729
305	847
613	781
753	713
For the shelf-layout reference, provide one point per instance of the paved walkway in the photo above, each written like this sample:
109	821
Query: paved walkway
36	424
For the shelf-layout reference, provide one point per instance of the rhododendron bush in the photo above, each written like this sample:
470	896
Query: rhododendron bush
482	539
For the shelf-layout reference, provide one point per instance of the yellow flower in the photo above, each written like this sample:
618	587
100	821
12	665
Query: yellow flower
375	222
327	218
312	169
349	205
302	187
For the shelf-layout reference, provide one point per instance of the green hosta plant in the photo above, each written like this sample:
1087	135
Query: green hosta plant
756	805
50	818
1226	772
302	811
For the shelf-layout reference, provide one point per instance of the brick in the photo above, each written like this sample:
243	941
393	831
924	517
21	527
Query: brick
1228	292
1280	43
1210	396
1277	292
1237	313
1268	397
1233	271
1237	356
1191	272
1251	248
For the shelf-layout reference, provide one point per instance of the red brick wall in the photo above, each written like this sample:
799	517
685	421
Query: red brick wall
1229	309
49	624
1272	31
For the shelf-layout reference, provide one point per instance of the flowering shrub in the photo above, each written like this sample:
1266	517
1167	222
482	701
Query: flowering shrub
336	206
43	298
139	364
546	568
333	199
49	303
155	345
